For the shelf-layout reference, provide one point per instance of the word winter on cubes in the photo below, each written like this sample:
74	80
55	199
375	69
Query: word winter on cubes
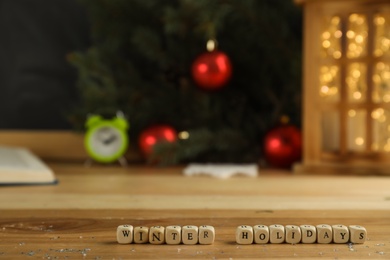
307	234
171	235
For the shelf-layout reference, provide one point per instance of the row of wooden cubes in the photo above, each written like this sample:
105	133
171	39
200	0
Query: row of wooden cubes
292	234
173	235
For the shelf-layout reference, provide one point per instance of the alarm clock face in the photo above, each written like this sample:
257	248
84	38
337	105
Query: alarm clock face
106	141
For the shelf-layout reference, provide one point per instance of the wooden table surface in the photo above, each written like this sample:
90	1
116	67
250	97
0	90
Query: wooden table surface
77	218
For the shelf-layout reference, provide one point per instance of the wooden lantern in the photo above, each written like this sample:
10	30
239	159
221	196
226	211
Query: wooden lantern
346	110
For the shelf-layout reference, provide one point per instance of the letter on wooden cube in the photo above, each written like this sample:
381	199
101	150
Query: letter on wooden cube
189	235
124	234
244	235
309	234
157	235
206	235
293	234
340	234
357	234
173	235
276	234
261	234
324	234
141	235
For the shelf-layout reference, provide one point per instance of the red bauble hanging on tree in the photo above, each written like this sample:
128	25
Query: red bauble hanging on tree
212	70
283	146
155	134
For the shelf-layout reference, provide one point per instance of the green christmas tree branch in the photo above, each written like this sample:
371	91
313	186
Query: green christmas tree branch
140	63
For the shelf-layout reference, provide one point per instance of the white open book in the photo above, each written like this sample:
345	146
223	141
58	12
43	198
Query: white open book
20	166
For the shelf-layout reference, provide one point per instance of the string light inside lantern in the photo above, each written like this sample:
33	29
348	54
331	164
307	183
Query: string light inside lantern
356	74
357	35
346	86
329	80
331	46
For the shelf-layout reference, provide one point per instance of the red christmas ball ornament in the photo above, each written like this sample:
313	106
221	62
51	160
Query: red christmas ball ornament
155	134
283	146
212	70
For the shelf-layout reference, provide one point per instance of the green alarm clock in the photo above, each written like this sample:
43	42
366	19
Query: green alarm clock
106	140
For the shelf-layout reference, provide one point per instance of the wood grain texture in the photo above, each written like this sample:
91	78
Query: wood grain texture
52	145
75	233
77	218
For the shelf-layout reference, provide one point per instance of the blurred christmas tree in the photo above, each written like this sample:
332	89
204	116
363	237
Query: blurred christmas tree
140	63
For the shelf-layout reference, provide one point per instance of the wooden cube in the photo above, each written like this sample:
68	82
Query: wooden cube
276	234
206	235
340	234
157	235
141	235
324	234
189	235
309	234
261	234
293	234
173	235
124	234
357	234
244	235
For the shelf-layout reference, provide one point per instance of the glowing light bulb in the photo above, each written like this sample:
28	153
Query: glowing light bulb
337	54
360	20
335	20
184	135
385	43
377	113
327	77
359	38
334	70
386	75
352	113
353	17
326	35
356	74
338	34
211	44
379	20
352	47
357	95
325	89
350	34
359	141
326	44
380	66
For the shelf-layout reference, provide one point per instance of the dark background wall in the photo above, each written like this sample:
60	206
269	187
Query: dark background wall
37	84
